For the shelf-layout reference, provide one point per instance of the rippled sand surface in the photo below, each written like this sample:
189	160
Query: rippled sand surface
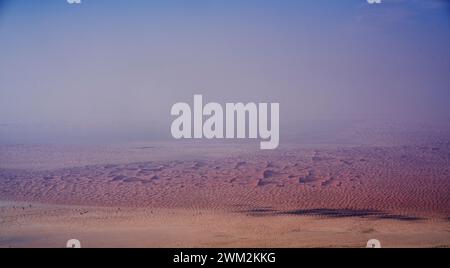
336	194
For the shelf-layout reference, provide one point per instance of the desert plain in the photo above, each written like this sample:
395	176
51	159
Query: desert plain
388	183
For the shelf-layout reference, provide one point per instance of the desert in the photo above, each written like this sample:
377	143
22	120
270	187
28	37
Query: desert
185	124
206	194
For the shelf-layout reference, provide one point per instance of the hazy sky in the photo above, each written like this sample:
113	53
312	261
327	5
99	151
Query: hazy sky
112	69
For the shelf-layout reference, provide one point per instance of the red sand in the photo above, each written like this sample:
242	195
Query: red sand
400	182
388	189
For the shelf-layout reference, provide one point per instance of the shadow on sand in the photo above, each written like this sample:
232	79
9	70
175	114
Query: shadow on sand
331	213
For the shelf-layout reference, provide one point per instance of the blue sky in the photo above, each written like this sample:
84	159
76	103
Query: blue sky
114	68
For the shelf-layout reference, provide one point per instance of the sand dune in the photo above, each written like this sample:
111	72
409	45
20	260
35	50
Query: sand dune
40	225
393	188
401	180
